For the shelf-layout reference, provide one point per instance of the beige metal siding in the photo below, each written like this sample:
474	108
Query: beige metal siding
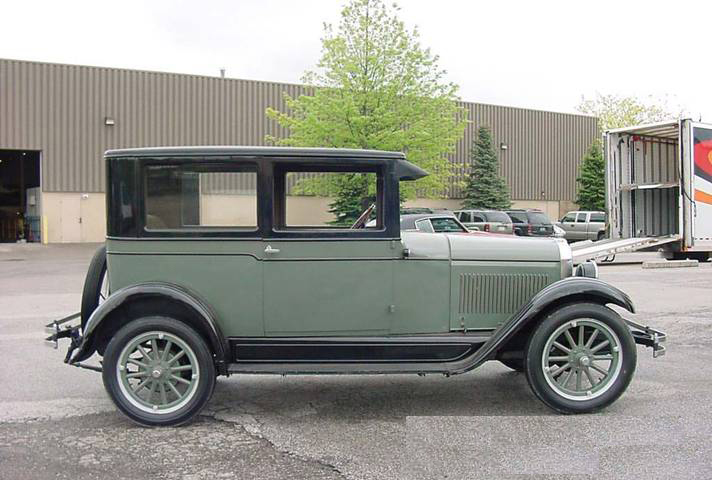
60	110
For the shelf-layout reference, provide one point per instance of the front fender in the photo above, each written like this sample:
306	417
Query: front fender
570	289
203	317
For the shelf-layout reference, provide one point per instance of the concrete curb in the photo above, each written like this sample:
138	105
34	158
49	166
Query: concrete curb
671	263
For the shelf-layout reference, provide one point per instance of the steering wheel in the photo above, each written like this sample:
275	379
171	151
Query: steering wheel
363	218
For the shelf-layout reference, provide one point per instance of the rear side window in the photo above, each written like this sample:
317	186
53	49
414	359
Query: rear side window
538	217
500	217
446	225
478	217
581	218
424	226
570	217
518	217
598	217
200	197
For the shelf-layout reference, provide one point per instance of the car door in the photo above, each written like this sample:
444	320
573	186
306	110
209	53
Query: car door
581	226
568	223
318	285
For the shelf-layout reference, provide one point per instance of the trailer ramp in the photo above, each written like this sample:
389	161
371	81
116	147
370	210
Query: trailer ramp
589	250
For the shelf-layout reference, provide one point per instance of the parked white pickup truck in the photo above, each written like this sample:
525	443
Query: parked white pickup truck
581	225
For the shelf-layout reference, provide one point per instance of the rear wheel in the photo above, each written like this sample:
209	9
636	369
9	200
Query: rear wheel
158	371
580	359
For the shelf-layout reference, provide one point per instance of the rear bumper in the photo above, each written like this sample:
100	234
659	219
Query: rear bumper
649	337
67	328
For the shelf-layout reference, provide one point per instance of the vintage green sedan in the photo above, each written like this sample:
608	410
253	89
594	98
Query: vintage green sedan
213	266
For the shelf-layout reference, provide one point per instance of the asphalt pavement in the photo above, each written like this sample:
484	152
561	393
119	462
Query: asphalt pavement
57	422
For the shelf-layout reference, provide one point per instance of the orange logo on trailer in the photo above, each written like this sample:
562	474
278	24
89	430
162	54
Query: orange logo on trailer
703	159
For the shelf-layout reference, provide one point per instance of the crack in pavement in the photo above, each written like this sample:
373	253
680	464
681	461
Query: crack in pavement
254	430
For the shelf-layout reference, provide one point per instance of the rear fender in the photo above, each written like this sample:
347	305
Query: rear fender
111	313
568	290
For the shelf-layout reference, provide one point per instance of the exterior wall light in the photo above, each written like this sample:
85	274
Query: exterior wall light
109	121
503	146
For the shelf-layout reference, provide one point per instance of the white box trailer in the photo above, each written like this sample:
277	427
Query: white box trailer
658	191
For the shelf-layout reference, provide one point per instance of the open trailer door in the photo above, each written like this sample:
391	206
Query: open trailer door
701	190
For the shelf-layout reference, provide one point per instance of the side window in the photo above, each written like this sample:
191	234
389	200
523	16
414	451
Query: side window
569	218
581	218
304	200
465	217
446	225
598	217
424	225
217	196
518	218
478	217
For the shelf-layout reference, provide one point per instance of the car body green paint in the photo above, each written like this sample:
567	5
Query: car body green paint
331	287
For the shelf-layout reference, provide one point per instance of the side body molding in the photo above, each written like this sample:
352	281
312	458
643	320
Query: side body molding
558	293
202	317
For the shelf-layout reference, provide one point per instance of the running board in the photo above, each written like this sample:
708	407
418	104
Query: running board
354	355
588	250
338	368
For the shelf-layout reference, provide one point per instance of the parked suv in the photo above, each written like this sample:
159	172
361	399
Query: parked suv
580	225
531	223
212	271
486	220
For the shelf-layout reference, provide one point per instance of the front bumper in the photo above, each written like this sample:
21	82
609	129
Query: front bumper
65	328
649	337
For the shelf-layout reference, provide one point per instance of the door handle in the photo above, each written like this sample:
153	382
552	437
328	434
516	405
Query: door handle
270	250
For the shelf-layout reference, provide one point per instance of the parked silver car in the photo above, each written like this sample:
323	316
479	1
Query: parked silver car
485	220
584	225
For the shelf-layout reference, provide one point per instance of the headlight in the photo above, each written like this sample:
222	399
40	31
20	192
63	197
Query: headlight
587	269
567	261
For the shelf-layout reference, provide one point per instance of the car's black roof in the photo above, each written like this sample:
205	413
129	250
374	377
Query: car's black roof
404	169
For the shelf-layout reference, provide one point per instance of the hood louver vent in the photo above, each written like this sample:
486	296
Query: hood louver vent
497	293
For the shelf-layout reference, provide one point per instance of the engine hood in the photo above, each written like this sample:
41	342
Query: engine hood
441	246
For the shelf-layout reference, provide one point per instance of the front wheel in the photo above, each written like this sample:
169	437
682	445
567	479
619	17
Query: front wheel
580	359
158	371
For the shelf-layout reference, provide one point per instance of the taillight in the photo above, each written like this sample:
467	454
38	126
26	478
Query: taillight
487	227
529	228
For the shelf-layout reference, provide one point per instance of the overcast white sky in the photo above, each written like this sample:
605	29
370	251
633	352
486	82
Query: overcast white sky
536	54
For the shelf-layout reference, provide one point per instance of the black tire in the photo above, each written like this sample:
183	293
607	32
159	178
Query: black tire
91	293
618	379
199	394
600	236
516	364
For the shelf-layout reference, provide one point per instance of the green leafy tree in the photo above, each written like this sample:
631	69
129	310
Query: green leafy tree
592	188
615	111
376	88
485	187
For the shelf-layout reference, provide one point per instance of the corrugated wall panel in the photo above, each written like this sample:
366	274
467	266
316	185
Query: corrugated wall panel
60	110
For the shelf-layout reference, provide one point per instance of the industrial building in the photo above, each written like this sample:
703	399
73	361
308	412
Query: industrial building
57	120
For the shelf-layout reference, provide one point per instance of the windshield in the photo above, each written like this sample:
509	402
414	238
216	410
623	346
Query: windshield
538	217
